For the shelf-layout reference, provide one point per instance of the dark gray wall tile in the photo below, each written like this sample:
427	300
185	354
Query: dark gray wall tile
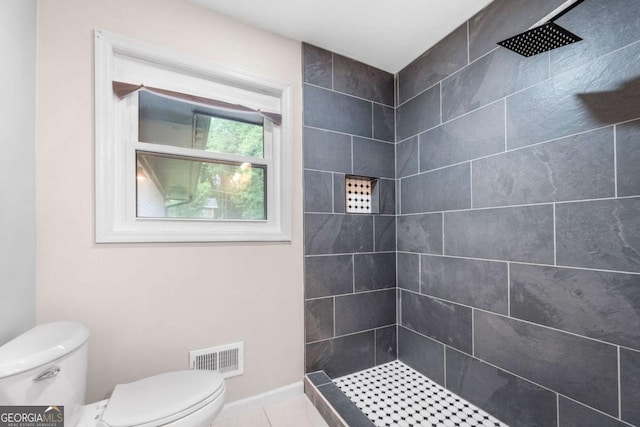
510	399
409	271
374	271
328	275
420	233
603	92
418	114
407	157
577	367
384	123
617	25
341	356
327	151
439	190
318	194
318	378
515	234
373	158
317	65
334	111
362	80
628	158
333	234
349	412
502	19
339	193
446	57
496	75
448	323
318	319
571	414
387	196
386	345
474	135
481	284
574	168
630	385
363	311
385	233
596	304
328	414
599	234
422	354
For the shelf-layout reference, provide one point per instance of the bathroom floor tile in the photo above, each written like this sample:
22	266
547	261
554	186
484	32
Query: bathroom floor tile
394	395
295	412
257	418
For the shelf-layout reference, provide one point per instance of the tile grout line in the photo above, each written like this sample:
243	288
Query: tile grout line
615	159
468	42
332	71
555	251
373	220
619	387
470	187
333	192
440	86
353	272
473	332
444	360
420	273
372	122
442	219
351	157
334	317
509	289
375	353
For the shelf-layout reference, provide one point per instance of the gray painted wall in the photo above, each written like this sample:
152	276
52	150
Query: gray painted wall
17	167
517	217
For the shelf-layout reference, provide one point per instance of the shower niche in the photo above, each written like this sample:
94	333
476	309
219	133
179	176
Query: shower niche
362	195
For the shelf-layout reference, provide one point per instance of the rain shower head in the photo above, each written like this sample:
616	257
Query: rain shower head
544	35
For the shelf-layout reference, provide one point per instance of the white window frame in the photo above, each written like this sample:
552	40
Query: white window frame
120	58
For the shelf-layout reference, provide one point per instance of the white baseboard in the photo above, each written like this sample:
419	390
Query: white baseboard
243	406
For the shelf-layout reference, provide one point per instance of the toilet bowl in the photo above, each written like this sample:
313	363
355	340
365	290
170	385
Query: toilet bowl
48	365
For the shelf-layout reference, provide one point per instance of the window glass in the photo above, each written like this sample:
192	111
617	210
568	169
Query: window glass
176	187
167	121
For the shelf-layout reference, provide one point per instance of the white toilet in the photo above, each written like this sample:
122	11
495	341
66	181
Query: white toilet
47	365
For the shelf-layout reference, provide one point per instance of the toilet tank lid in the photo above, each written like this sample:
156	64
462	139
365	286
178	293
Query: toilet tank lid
41	345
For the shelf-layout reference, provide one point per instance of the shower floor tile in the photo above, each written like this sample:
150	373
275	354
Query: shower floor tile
395	395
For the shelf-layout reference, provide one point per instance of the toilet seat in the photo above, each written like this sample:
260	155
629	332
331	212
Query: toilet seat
161	399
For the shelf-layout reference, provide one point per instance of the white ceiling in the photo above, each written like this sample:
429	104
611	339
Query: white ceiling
387	34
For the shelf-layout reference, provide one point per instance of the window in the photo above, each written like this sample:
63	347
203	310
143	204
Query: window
187	150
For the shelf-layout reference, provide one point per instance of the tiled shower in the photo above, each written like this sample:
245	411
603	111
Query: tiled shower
504	262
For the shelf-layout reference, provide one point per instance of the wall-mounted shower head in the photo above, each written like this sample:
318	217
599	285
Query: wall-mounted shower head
544	35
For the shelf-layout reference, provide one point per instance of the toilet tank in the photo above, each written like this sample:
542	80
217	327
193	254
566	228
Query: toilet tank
46	366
